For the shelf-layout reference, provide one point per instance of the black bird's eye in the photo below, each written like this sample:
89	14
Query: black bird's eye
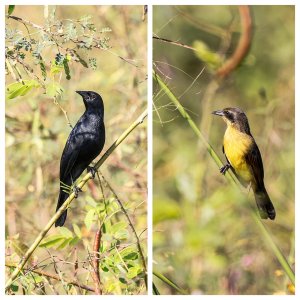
91	96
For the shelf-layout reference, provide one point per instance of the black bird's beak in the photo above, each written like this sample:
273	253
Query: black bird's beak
81	93
218	113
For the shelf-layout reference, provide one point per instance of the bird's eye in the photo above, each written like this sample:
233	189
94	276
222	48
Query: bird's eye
91	96
229	115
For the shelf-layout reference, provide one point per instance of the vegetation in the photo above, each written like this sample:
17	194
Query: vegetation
52	51
206	239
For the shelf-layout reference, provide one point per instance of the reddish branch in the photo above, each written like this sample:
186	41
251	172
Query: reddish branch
52	276
95	263
243	45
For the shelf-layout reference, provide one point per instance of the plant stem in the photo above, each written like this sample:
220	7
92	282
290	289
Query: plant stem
230	176
80	185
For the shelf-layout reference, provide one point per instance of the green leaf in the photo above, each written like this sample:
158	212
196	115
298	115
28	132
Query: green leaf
64	243
77	230
65	232
131	256
128	251
55	68
51	241
43	69
89	218
11	9
54	89
133	272
204	53
14	287
122	280
74	241
19	89
118	226
121	234
38	278
67	69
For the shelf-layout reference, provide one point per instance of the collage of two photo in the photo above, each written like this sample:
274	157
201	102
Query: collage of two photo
149	150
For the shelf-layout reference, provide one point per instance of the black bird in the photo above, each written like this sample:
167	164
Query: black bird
84	144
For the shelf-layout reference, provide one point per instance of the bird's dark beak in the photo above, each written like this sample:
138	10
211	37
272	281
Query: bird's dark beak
81	93
218	113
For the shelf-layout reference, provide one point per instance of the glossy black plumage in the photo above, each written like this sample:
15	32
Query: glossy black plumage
84	144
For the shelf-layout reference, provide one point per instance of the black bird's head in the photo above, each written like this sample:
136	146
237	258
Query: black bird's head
234	117
92	101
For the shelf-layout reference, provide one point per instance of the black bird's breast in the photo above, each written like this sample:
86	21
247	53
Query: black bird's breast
84	144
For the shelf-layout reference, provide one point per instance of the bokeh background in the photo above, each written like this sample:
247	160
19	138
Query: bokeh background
205	239
36	132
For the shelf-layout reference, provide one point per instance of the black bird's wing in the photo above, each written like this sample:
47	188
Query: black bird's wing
69	156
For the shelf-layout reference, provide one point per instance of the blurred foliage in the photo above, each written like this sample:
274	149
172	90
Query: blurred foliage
204	238
69	37
39	108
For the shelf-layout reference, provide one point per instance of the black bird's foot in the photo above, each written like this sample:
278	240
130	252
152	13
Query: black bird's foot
224	169
76	191
93	171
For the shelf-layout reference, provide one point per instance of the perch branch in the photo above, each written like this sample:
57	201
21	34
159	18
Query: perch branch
66	204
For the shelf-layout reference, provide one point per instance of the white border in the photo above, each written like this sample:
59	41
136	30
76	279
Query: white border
150	173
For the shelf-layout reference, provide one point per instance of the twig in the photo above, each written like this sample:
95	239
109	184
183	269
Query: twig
95	262
64	112
66	204
243	45
232	179
132	227
52	276
174	43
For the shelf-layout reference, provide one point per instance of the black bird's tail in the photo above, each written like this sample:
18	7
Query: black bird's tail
61	199
264	204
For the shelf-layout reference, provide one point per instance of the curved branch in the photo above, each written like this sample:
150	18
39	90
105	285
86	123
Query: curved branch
66	204
243	45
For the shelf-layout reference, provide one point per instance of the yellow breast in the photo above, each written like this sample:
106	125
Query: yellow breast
236	145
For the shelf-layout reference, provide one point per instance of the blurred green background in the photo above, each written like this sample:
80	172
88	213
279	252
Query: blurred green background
36	132
204	238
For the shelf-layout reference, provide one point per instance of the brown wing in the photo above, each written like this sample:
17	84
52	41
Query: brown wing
253	159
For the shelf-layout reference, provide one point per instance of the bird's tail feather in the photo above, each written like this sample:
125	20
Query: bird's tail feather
264	204
61	199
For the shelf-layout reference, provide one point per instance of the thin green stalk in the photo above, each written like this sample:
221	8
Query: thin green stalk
185	115
230	176
170	283
66	204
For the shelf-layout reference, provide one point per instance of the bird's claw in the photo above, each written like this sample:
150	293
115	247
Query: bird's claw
93	171
224	169
76	190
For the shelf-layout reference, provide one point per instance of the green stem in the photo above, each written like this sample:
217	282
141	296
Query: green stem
169	282
230	176
80	185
